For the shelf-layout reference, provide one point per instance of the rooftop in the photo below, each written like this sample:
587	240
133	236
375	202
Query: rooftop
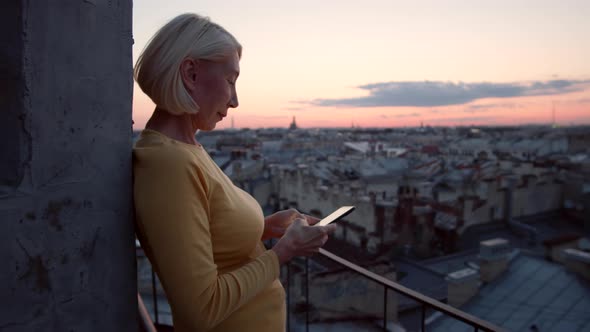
533	292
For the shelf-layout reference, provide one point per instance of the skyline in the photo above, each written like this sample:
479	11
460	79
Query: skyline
395	64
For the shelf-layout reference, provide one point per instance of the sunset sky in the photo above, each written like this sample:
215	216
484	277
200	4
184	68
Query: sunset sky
395	63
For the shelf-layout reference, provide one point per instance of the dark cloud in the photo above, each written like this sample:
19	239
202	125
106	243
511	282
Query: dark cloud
437	93
486	107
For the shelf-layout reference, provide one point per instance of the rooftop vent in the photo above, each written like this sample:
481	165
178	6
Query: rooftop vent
462	275
577	261
462	285
493	258
494	249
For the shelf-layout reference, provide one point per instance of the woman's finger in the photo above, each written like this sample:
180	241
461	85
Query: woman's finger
317	242
330	228
311	220
300	221
296	214
315	234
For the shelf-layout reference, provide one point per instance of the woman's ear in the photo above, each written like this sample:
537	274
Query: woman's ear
188	72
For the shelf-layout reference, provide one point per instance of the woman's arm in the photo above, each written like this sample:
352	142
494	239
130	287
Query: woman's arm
173	216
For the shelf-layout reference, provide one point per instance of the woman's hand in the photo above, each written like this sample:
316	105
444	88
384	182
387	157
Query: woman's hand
276	224
301	239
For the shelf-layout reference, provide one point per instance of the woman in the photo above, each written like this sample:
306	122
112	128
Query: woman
201	233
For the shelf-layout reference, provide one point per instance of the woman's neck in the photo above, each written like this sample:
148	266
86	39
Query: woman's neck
178	127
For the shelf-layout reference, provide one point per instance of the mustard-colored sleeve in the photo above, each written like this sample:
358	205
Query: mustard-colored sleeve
171	202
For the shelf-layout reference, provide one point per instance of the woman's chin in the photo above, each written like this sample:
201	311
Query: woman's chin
209	128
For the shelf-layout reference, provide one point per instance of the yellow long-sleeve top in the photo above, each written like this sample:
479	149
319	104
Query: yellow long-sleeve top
203	237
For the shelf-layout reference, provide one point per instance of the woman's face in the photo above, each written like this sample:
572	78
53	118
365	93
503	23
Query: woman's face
213	88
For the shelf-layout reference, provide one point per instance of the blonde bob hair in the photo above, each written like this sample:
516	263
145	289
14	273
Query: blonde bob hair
157	70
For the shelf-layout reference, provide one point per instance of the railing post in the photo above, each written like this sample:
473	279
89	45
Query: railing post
289	296
423	317
306	294
154	297
384	308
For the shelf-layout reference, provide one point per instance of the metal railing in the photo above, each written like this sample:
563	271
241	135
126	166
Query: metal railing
425	301
145	321
154	293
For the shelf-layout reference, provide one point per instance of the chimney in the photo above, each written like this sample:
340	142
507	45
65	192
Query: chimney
372	197
554	247
493	258
462	285
236	168
468	203
577	261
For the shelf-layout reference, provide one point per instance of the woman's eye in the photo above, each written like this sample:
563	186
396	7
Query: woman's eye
231	82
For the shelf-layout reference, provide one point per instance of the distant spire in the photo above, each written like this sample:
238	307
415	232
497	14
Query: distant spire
293	124
232	123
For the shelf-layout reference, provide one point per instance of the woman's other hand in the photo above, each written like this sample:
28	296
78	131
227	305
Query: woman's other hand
276	224
301	239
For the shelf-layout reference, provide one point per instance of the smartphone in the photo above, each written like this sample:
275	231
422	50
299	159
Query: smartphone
336	215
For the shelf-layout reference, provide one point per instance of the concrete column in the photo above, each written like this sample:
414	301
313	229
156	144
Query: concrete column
66	230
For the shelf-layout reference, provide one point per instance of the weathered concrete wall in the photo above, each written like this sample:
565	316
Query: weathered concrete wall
66	231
